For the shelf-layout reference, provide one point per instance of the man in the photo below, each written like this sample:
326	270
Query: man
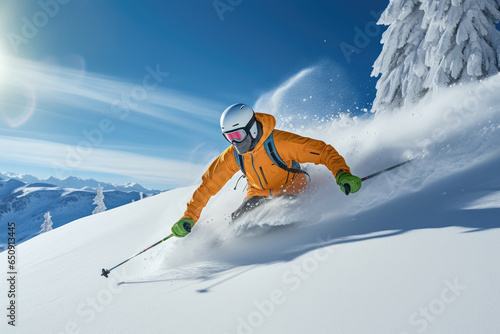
269	159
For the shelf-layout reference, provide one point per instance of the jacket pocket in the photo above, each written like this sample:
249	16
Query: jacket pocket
263	175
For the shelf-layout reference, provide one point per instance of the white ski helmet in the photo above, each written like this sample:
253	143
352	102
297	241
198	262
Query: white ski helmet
239	127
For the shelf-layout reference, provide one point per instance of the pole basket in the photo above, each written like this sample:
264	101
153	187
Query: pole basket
105	273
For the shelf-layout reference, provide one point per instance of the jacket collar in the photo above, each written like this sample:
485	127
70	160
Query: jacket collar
268	123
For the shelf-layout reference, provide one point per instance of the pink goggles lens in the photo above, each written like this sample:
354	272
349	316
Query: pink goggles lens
238	135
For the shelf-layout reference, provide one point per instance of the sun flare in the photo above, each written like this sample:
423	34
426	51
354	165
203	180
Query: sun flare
3	66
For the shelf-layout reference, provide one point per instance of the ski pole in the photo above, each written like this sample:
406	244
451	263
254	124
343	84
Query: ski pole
105	272
347	187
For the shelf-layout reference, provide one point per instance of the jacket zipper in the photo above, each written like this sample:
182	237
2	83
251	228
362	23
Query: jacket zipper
251	155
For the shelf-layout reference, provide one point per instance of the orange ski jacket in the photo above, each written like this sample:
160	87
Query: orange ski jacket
263	176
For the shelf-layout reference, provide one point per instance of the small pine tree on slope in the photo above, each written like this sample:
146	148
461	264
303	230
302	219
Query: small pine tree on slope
47	223
99	201
431	44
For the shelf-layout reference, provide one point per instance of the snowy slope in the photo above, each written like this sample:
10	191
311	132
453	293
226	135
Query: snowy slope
414	252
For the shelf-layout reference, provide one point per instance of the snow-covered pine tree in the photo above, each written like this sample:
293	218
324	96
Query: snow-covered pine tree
432	44
99	201
401	61
47	223
462	41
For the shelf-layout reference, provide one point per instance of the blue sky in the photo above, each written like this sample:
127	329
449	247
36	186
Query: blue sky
132	91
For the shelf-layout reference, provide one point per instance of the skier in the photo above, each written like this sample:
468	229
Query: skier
269	159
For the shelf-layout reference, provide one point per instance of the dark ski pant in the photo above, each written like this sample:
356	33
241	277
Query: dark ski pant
251	203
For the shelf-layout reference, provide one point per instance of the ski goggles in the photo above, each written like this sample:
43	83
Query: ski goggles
241	134
237	135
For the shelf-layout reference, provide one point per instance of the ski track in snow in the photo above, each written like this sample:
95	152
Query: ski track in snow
443	145
396	244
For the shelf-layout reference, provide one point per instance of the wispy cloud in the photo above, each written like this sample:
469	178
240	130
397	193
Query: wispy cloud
65	159
77	89
71	100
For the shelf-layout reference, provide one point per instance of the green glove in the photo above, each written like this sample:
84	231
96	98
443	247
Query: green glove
348	183
182	227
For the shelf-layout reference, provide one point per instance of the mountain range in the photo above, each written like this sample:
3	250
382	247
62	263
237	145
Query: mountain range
24	199
78	183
